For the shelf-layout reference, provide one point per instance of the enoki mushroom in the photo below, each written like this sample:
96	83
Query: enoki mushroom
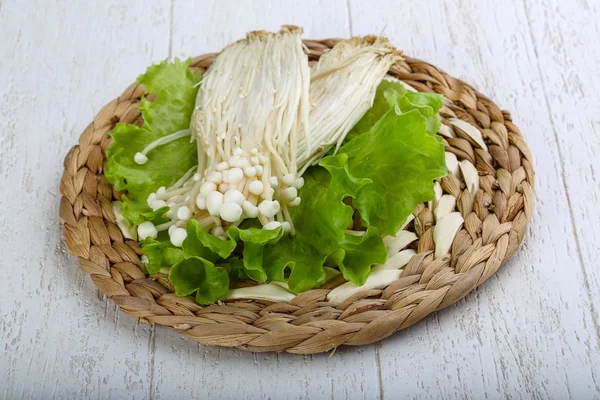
342	88
257	132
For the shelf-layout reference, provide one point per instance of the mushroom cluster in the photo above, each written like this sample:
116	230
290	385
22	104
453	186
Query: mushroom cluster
262	117
251	107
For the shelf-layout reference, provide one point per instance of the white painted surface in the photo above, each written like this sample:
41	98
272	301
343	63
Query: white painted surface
532	331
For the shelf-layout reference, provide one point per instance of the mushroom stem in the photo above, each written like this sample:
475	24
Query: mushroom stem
257	132
342	88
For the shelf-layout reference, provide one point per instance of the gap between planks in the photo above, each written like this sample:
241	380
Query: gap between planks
349	14
171	17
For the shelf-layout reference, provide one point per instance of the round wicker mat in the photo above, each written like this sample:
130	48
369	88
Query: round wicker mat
494	225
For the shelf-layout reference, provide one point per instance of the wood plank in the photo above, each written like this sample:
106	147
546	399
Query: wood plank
528	332
531	331
211	25
61	62
568	57
184	369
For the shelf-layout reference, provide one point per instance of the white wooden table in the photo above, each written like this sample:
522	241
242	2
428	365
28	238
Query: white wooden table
532	331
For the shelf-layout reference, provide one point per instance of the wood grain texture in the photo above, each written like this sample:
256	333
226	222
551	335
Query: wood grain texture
58	337
225	373
530	332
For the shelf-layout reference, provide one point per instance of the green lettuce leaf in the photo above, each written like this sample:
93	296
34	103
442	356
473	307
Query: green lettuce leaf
357	254
386	166
402	160
160	254
238	271
137	212
194	269
198	275
387	96
400	154
393	95
428	105
254	240
199	243
320	222
173	88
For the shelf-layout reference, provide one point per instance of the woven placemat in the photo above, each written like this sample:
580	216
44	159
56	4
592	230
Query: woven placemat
494	225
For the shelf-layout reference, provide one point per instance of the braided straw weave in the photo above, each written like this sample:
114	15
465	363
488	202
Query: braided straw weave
494	225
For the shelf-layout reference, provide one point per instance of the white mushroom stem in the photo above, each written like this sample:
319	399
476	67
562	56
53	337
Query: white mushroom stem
396	243
397	261
452	164
445	205
251	106
471	176
444	232
165	226
437	189
257	132
268	291
470	131
342	88
141	157
129	231
376	280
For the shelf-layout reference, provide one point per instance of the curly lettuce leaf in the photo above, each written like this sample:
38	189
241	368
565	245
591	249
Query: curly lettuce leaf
428	105
357	254
173	86
254	240
393	95
237	270
200	243
138	212
192	267
198	275
400	154
320	222
387	168
160	254
342	178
